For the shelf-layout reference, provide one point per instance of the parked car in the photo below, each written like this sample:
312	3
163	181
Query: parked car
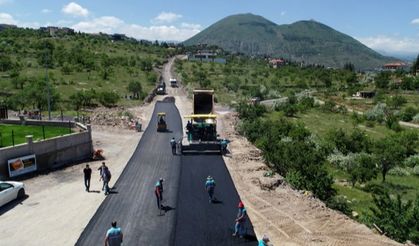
10	190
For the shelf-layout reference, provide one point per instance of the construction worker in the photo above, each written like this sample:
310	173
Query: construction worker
105	176
223	145
264	241
158	191
240	220
173	145
189	129
114	236
210	187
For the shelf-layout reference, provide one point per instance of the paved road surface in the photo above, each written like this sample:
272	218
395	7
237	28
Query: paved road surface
198	221
134	206
192	220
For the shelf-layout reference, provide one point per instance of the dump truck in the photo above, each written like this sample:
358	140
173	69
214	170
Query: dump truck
161	89
201	135
173	82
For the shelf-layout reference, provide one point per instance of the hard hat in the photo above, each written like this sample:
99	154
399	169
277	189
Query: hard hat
265	238
209	177
241	205
161	179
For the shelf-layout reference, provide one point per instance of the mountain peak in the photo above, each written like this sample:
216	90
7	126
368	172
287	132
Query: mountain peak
307	40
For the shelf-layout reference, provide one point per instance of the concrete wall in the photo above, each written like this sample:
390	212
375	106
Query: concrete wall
51	153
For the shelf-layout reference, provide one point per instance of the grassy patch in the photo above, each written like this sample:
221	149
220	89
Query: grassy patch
20	132
320	123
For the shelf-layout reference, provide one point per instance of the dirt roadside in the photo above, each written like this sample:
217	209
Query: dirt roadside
287	216
58	208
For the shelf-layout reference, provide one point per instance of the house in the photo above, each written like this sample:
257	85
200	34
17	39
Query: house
276	63
206	56
365	94
53	31
394	66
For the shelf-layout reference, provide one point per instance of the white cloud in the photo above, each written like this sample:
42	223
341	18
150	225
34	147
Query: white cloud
6	18
166	17
75	9
106	24
111	24
191	26
415	21
392	44
46	11
2	2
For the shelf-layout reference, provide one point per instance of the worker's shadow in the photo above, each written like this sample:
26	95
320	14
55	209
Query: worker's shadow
167	208
216	201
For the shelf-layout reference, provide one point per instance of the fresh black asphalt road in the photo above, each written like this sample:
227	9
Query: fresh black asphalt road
190	219
198	221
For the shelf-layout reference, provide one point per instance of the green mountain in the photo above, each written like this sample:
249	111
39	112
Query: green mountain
308	41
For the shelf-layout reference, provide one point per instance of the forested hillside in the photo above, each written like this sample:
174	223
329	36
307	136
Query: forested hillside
79	70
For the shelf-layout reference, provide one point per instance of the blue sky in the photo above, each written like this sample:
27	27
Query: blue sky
388	26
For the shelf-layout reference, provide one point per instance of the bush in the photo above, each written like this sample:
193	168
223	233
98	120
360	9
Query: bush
370	123
399	171
408	114
339	203
416	170
377	113
295	179
108	99
328	106
397	218
411	161
374	188
415	118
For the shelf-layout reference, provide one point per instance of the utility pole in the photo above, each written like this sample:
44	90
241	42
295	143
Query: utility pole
47	82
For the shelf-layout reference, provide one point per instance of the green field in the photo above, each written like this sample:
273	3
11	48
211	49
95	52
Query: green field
320	123
19	133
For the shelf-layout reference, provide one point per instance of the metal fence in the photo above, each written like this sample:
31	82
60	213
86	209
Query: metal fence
13	137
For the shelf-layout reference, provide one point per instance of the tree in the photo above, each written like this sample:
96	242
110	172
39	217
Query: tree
349	66
408	113
146	64
37	93
360	167
5	63
382	80
396	101
108	99
389	154
76	101
136	89
46	53
396	218
415	66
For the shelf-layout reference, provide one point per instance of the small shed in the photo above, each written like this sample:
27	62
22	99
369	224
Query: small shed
365	94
